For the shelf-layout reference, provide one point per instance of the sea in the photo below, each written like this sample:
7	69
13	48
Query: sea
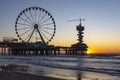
66	67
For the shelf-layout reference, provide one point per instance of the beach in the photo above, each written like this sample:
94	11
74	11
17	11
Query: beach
7	75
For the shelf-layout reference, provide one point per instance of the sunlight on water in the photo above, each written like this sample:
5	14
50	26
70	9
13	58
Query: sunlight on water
97	76
65	67
58	73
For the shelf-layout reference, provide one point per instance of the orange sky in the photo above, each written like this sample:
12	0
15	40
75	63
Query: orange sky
96	46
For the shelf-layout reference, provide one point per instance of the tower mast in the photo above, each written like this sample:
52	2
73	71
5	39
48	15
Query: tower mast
80	30
80	47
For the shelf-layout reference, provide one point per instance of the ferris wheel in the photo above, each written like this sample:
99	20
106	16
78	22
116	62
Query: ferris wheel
35	24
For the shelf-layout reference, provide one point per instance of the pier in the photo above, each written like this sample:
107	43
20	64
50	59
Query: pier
35	33
26	49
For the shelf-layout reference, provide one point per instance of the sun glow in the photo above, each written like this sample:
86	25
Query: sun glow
90	51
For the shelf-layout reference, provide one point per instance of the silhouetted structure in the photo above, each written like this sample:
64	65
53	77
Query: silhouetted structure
80	47
35	24
36	27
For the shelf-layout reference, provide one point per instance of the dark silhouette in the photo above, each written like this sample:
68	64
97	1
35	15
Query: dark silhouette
35	28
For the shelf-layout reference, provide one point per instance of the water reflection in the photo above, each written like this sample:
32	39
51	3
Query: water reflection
13	67
91	75
66	74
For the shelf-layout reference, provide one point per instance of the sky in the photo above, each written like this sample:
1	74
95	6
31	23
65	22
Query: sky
102	21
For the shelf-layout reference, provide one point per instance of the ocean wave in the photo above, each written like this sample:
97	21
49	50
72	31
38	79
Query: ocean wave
97	64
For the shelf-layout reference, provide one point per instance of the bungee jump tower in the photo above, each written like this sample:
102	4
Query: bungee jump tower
80	47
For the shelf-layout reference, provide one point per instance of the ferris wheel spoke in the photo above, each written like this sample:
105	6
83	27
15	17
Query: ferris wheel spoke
31	16
39	16
28	36
46	32
44	35
46	24
24	28
47	28
41	19
23	24
45	21
35	15
26	20
25	32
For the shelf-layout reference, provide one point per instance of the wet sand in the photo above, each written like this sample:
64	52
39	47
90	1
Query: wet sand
6	75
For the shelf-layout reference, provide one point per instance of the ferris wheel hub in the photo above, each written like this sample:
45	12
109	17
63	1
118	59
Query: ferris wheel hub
36	26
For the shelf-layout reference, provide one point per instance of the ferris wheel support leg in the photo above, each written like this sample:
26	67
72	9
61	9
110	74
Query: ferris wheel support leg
41	36
31	35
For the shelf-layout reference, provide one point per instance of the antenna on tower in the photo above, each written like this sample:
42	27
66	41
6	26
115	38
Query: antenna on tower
77	20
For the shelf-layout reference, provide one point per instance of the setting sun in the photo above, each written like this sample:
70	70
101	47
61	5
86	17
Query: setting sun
90	51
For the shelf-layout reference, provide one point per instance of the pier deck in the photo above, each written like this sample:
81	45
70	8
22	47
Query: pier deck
32	49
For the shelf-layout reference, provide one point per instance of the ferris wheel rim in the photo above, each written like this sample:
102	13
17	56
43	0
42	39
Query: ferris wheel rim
35	8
